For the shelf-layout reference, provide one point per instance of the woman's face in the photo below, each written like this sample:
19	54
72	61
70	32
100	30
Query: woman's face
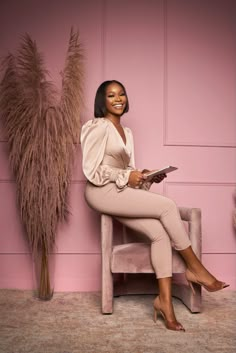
116	100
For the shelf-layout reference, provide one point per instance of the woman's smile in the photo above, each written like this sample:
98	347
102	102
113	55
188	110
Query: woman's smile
118	106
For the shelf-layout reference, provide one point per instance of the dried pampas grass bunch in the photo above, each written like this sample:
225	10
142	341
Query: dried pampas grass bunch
42	131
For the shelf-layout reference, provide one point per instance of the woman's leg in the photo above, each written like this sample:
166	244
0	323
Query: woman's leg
136	203
161	250
163	304
197	273
161	257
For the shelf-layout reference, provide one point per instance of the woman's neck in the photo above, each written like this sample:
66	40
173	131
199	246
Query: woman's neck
114	119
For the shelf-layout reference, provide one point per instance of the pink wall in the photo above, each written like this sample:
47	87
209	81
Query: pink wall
177	61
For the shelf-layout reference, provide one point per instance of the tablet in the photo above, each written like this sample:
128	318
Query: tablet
165	170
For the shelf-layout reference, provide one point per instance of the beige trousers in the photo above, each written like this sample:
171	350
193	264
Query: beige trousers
152	214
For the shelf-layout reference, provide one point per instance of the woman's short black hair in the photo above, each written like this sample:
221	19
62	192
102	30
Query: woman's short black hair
100	99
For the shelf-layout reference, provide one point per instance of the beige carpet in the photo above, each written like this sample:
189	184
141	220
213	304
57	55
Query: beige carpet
72	323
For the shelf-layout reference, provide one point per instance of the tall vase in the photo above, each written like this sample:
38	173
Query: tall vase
44	265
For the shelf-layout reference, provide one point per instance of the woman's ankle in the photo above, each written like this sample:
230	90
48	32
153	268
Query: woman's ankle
202	274
165	298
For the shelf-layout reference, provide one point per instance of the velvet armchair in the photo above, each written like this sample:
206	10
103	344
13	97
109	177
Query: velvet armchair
131	260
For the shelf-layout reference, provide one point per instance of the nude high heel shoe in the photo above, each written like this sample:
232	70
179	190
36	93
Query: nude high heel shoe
213	287
170	325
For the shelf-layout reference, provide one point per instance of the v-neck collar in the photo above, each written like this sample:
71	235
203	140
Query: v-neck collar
124	142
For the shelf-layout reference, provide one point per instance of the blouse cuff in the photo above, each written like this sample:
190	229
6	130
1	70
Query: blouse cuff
121	178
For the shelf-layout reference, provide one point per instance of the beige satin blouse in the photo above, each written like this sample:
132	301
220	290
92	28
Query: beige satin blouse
106	158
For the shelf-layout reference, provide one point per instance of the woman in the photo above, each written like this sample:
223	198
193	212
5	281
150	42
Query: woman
117	188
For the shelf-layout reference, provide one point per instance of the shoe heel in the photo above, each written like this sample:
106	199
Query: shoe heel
192	288
155	315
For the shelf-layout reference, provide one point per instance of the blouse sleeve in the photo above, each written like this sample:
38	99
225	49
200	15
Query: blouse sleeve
131	165
94	136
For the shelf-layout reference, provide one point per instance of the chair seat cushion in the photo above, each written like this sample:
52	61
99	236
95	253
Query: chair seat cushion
136	258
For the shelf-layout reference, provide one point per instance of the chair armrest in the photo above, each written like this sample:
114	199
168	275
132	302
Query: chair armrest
193	217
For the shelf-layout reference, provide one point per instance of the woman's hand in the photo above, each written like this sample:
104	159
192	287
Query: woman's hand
136	179
155	179
158	178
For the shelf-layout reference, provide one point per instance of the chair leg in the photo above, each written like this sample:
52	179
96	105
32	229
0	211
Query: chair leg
107	277
107	293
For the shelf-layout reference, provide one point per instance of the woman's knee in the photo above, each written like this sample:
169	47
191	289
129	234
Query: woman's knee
170	205
155	231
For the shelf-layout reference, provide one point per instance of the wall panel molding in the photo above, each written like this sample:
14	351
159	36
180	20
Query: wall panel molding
200	183
169	140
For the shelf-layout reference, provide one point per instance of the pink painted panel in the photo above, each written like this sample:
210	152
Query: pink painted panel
12	236
201	72
16	271
134	56
217	165
78	272
74	272
82	233
223	266
217	204
77	173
